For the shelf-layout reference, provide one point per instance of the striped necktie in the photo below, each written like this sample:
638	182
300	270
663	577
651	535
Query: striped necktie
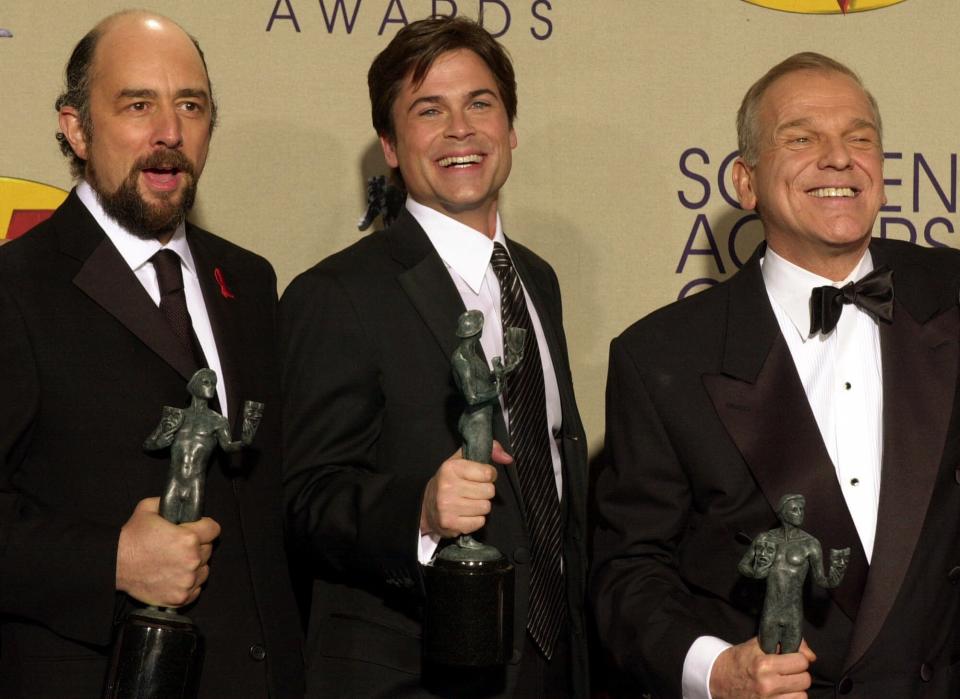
525	400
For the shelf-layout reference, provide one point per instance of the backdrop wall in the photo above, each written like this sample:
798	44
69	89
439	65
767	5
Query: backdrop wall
626	129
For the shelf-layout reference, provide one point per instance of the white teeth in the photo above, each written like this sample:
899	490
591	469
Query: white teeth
833	192
460	160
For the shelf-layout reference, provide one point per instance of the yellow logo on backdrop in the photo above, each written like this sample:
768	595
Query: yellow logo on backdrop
24	204
824	7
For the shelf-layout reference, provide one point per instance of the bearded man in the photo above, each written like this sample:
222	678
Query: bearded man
107	309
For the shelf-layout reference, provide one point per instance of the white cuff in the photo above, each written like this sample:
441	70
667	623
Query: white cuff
698	664
427	546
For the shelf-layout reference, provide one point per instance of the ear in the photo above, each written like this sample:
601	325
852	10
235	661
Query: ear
513	138
71	128
883	191
743	183
389	151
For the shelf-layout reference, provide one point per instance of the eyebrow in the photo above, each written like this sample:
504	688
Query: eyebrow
806	123
146	92
434	99
863	124
796	123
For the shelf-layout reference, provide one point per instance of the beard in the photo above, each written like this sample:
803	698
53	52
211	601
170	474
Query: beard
148	220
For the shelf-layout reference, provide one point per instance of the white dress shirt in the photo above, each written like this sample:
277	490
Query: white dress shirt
136	252
466	253
842	378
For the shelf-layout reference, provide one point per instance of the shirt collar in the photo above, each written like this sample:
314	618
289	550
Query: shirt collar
135	251
790	286
463	249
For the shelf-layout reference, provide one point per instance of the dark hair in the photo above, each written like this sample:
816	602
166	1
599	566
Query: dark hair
76	92
413	51
748	126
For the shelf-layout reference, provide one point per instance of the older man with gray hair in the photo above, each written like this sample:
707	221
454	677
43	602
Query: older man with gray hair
803	373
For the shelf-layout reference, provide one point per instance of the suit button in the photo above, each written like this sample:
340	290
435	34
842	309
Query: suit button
954	575
845	686
926	672
521	555
515	656
258	652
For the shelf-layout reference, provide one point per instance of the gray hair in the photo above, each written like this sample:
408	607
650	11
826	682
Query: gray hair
748	127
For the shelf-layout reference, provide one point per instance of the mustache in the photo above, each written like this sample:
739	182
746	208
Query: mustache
166	160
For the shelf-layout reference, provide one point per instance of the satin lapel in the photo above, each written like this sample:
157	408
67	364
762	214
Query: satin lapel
426	281
225	317
919	378
106	278
762	404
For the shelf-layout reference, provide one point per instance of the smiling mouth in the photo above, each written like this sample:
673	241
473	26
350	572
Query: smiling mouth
458	161
834	192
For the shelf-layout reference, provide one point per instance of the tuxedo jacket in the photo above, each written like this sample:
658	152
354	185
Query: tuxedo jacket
371	411
88	362
708	426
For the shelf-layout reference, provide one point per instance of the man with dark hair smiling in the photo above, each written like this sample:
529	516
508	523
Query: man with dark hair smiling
107	310
802	374
374	478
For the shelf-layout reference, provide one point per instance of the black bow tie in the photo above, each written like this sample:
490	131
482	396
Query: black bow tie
873	293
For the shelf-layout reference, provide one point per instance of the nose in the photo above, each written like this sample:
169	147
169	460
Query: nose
836	153
459	125
167	129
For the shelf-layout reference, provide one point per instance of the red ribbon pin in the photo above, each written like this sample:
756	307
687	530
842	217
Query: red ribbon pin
224	290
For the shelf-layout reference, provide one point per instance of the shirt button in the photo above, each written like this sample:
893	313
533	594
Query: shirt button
258	652
854	482
847	385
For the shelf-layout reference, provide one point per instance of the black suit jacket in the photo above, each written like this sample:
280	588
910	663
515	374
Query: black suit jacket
371	411
708	426
87	363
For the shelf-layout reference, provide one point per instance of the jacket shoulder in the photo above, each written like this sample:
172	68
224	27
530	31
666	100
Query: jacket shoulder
900	253
689	321
924	278
530	257
40	238
365	262
222	249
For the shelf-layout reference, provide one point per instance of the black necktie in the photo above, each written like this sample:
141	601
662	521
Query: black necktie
527	413
873	293
173	301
